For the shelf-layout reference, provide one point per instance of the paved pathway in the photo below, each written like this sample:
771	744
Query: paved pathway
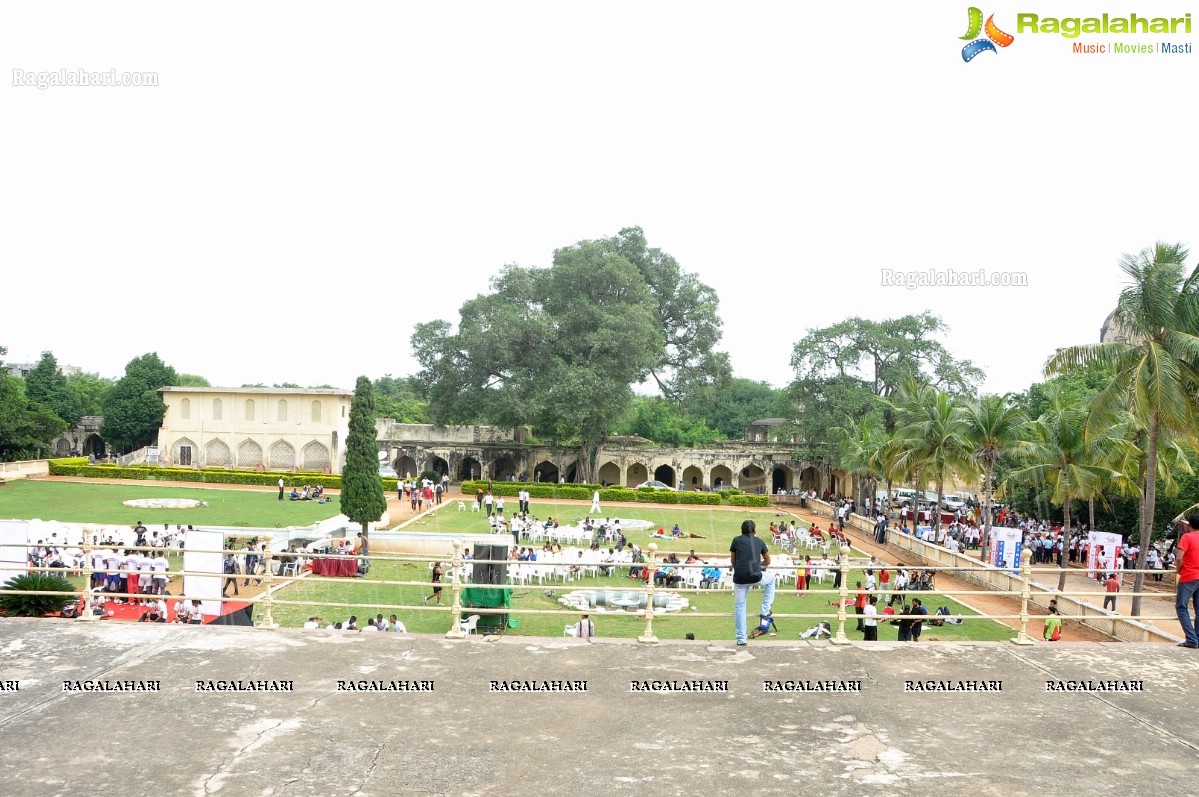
892	739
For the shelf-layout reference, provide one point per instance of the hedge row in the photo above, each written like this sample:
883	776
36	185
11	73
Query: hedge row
72	467
748	500
583	492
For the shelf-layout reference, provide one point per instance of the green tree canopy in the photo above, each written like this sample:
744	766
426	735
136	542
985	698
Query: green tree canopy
731	405
848	370
89	389
26	427
400	399
559	348
191	380
362	499
133	408
661	420
48	386
1156	372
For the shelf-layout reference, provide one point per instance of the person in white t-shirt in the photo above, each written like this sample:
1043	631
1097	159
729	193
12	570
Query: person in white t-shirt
870	620
159	567
145	580
395	625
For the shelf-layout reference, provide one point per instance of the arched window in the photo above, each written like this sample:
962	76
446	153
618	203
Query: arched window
316	412
282	410
185	410
249	409
218	409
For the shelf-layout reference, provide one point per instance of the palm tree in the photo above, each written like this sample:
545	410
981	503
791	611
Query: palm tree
1058	452
1156	379
859	447
932	429
993	427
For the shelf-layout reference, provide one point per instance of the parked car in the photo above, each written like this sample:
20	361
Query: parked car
952	501
903	496
387	471
655	485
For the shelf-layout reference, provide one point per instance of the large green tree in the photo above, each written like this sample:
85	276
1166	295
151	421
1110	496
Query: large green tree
47	385
993	427
1155	373
1057	452
850	368
687	313
659	419
560	348
89	390
362	499
400	399
731	405
26	427
931	429
133	407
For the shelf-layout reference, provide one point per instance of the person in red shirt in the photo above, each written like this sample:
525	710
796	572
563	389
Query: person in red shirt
1112	585
859	606
1188	582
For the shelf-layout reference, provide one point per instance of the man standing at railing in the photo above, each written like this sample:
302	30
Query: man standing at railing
750	558
1187	552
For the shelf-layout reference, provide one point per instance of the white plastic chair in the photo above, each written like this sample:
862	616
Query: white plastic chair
571	630
470	624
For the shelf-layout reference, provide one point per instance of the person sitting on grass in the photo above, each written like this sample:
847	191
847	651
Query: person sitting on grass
295	494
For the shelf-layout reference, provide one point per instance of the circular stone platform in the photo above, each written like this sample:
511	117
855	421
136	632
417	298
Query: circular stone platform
615	600
162	503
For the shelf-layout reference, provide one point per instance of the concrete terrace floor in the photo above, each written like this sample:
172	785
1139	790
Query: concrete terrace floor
463	739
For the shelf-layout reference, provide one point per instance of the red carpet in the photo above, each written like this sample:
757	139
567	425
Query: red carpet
133	613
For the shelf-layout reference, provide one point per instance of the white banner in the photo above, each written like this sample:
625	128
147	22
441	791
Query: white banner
202	555
14	556
1104	552
1006	547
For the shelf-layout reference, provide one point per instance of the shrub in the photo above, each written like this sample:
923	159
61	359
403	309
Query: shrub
207	475
536	489
25	605
748	500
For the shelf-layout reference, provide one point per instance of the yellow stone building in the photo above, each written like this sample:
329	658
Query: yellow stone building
255	428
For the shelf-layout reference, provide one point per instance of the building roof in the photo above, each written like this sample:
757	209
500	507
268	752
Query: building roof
282	391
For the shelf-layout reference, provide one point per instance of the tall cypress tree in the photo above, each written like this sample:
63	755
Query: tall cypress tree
362	498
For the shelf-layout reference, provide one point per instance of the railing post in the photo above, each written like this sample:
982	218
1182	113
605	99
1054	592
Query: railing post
1025	593
456	631
648	636
86	612
840	638
268	619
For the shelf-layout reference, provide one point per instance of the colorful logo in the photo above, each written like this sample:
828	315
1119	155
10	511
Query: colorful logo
981	45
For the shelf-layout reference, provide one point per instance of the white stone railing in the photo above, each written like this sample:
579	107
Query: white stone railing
24	469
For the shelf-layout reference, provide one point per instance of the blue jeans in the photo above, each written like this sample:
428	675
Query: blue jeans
741	591
1188	594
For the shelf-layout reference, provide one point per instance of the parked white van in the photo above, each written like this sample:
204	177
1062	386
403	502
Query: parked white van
903	496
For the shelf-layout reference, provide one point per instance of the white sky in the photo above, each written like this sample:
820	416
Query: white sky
310	180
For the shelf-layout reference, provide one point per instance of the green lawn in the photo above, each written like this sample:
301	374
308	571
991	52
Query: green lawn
318	593
72	502
716	525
